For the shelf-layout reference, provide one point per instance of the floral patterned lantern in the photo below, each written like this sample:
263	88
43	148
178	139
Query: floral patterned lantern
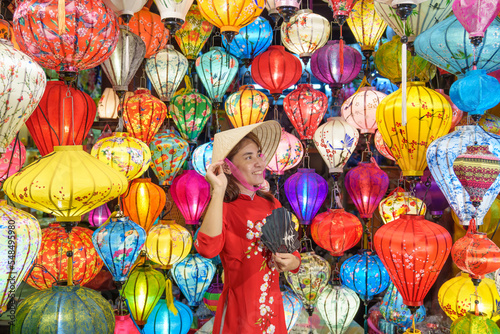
382	147
341	10
430	243
400	203
173	13
212	296
292	305
202	157
12	160
338	305
169	316
125	8
360	109
433	196
109	103
59	120
169	152
143	115
474	323
457	113
124	153
246	106
310	280
118	244
336	231
288	154
395	311
168	243
475	17
66	39
366	25
52	262
99	215
490	123
193	34
191	193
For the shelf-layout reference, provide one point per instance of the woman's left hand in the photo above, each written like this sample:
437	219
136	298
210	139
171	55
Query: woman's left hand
285	262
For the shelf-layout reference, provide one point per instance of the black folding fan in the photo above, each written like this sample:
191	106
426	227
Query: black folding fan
278	233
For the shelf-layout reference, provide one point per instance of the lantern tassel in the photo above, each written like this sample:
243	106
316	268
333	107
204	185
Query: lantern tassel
403	84
169	298
341	52
61	16
70	268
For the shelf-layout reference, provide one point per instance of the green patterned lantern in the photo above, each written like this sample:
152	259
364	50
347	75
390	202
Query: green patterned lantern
65	309
471	323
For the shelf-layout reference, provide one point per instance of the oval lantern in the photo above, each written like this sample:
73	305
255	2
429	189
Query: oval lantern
382	147
400	203
193	34
202	158
109	103
360	109
173	13
288	154
99	215
191	193
246	106
168	243
395	311
338	305
12	160
292	305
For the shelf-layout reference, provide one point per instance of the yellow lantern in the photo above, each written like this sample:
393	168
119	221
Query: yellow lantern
429	117
168	243
193	34
400	203
67	184
124	153
366	26
246	106
109	103
456	297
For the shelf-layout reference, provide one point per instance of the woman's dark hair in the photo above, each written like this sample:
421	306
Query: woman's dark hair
232	189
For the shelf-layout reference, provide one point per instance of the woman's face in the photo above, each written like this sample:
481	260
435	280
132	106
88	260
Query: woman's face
250	162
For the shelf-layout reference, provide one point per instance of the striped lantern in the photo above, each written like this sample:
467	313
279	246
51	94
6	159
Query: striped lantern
338	305
212	295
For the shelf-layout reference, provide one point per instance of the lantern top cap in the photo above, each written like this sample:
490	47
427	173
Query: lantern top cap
306	170
68	148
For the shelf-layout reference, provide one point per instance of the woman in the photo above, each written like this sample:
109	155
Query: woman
251	300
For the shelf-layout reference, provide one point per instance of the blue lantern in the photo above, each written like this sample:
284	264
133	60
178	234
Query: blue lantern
395	311
447	46
252	40
292	305
440	156
119	243
202	157
193	276
306	191
365	274
475	93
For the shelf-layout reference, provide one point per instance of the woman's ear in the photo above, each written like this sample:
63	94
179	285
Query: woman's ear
226	169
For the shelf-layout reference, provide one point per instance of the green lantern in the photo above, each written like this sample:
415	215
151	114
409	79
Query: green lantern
65	309
471	323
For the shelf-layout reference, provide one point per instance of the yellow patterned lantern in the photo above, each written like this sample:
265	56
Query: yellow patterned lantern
399	203
124	153
429	117
67	184
366	25
168	243
246	106
456	297
193	34
490	123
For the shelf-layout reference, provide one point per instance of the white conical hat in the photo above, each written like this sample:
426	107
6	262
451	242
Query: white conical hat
269	134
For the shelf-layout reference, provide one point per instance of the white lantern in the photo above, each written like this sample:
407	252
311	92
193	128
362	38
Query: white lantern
338	305
125	8
109	103
173	13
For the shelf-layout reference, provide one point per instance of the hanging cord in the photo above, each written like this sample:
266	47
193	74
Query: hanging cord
336	200
306	159
70	98
277	179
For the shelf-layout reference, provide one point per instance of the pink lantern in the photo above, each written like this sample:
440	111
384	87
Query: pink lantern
125	325
361	108
476	16
288	154
191	194
12	160
457	113
99	215
382	147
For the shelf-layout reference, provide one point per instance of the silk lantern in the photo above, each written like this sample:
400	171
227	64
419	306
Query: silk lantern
125	9
400	203
99	215
193	34
366	184
360	109
246	106
429	117
144	202
288	154
119	243
336	231
382	147
168	243
341	10
366	25
395	311
191	193
70	183
292	305
61	118
202	158
109	103
169	316
433	196
125	325
474	323
457	113
306	191
430	245
490	123
338	305
212	296
13	159
143	115
475	17
83	36
173	13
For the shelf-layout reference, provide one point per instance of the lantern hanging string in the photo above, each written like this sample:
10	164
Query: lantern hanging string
277	183
404	40
335	200
70	98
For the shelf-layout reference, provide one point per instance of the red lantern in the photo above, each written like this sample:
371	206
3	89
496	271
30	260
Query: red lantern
336	231
276	70
413	250
64	116
191	193
305	108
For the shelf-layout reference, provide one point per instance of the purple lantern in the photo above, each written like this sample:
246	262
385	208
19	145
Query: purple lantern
191	193
306	191
435	200
99	215
366	184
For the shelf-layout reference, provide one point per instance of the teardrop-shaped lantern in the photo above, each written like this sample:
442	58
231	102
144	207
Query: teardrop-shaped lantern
168	243
202	157
382	147
193	34
173	13
125	8
109	103
288	154
12	160
475	17
338	305
191	193
395	311
292	305
400	203
366	25
99	215
246	106
360	110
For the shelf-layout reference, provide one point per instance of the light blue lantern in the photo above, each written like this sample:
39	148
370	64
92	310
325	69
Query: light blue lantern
395	311
292	305
252	40
475	93
202	157
193	276
447	46
365	274
119	243
163	320
440	156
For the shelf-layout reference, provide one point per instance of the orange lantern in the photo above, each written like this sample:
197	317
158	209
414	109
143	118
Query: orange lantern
144	202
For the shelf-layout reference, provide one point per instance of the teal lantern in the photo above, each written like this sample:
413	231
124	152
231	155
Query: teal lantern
193	276
65	309
202	157
168	153
395	311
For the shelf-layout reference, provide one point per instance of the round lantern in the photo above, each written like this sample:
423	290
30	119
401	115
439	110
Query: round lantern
110	103
490	123
168	243
143	115
338	305
400	203
82	36
382	147
472	323
193	275
305	108
395	311
125	325
360	109
288	154
22	235
173	13
212	296
175	318
123	153
193	34
69	183
336	140
366	184
433	196
276	70
292	305
310	280
306	191
99	215
246	106
125	9
69	309
166	69
305	33
428	118
143	290
13	159
202	157
336	231
366	25
119	243
61	118
476	17
455	297
169	152
457	113
429	244
191	193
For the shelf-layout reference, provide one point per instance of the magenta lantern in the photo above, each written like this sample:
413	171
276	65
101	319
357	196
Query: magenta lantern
99	215
12	160
125	325
191	194
366	184
476	16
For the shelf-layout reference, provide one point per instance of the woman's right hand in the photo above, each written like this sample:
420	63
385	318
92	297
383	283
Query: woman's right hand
216	177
